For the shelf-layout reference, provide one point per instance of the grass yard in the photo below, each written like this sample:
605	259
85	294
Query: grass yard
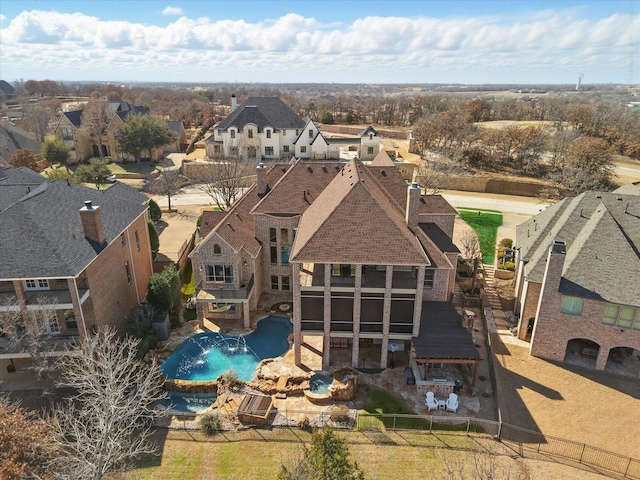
144	168
485	223
258	454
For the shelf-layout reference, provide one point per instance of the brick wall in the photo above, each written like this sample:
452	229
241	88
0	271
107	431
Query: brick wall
554	329
112	298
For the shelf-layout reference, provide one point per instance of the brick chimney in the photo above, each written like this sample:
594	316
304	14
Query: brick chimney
261	173
413	205
92	223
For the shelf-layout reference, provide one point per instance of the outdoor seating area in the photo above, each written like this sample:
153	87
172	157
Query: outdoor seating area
450	404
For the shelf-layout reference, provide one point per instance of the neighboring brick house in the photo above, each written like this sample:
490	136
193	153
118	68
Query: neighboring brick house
69	129
266	128
353	248
73	258
578	280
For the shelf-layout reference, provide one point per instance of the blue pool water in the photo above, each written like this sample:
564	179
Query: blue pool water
320	383
188	402
205	356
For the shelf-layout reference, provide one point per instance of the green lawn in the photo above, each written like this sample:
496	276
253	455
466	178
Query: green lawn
258	454
133	167
485	223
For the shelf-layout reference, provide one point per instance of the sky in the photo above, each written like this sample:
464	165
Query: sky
330	41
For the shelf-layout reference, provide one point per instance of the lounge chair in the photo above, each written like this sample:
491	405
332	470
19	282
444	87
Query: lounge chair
432	403
452	403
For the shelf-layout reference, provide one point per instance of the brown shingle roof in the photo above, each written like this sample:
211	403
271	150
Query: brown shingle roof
297	188
210	218
354	204
435	205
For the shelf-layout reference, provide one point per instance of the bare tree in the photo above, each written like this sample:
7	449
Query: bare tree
166	182
36	121
28	335
225	180
107	424
471	253
434	175
95	120
481	466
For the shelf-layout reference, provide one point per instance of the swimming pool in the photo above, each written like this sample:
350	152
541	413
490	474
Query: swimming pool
188	402
206	356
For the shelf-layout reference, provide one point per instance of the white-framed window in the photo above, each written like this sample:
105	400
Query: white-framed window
46	322
250	133
268	150
67	133
284	133
284	235
36	284
232	133
370	150
128	271
137	241
303	149
274	282
123	240
572	306
219	273
284	256
216	249
285	148
268	133
310	133
286	283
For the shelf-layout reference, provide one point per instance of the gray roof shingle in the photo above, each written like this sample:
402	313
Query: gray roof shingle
602	234
41	234
263	112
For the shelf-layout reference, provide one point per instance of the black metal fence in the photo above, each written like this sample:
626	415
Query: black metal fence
524	442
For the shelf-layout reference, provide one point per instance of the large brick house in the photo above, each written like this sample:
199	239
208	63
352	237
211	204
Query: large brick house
267	128
73	258
358	253
69	130
578	280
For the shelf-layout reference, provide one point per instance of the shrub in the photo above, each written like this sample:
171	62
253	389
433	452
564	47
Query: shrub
509	266
340	414
154	211
506	243
154	239
304	423
211	423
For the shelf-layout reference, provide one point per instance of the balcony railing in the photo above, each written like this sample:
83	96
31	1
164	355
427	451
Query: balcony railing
224	292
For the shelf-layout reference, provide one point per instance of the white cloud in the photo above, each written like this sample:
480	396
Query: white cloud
172	11
2	17
546	47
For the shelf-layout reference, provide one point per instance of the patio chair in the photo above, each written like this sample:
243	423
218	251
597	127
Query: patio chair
432	403
452	403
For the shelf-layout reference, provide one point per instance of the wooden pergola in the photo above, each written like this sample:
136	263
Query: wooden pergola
443	339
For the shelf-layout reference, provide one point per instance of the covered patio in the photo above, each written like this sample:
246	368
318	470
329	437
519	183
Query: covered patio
443	340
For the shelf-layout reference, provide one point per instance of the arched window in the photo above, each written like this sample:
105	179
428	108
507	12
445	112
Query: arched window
216	249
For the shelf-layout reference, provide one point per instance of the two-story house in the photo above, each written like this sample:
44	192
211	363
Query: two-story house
73	258
578	280
358	253
265	128
69	129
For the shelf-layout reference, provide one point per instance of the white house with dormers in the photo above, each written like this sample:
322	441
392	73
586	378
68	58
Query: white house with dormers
265	128
260	128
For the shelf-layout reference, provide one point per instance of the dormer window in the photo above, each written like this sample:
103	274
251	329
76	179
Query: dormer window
232	133
371	136
268	133
250	133
217	250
